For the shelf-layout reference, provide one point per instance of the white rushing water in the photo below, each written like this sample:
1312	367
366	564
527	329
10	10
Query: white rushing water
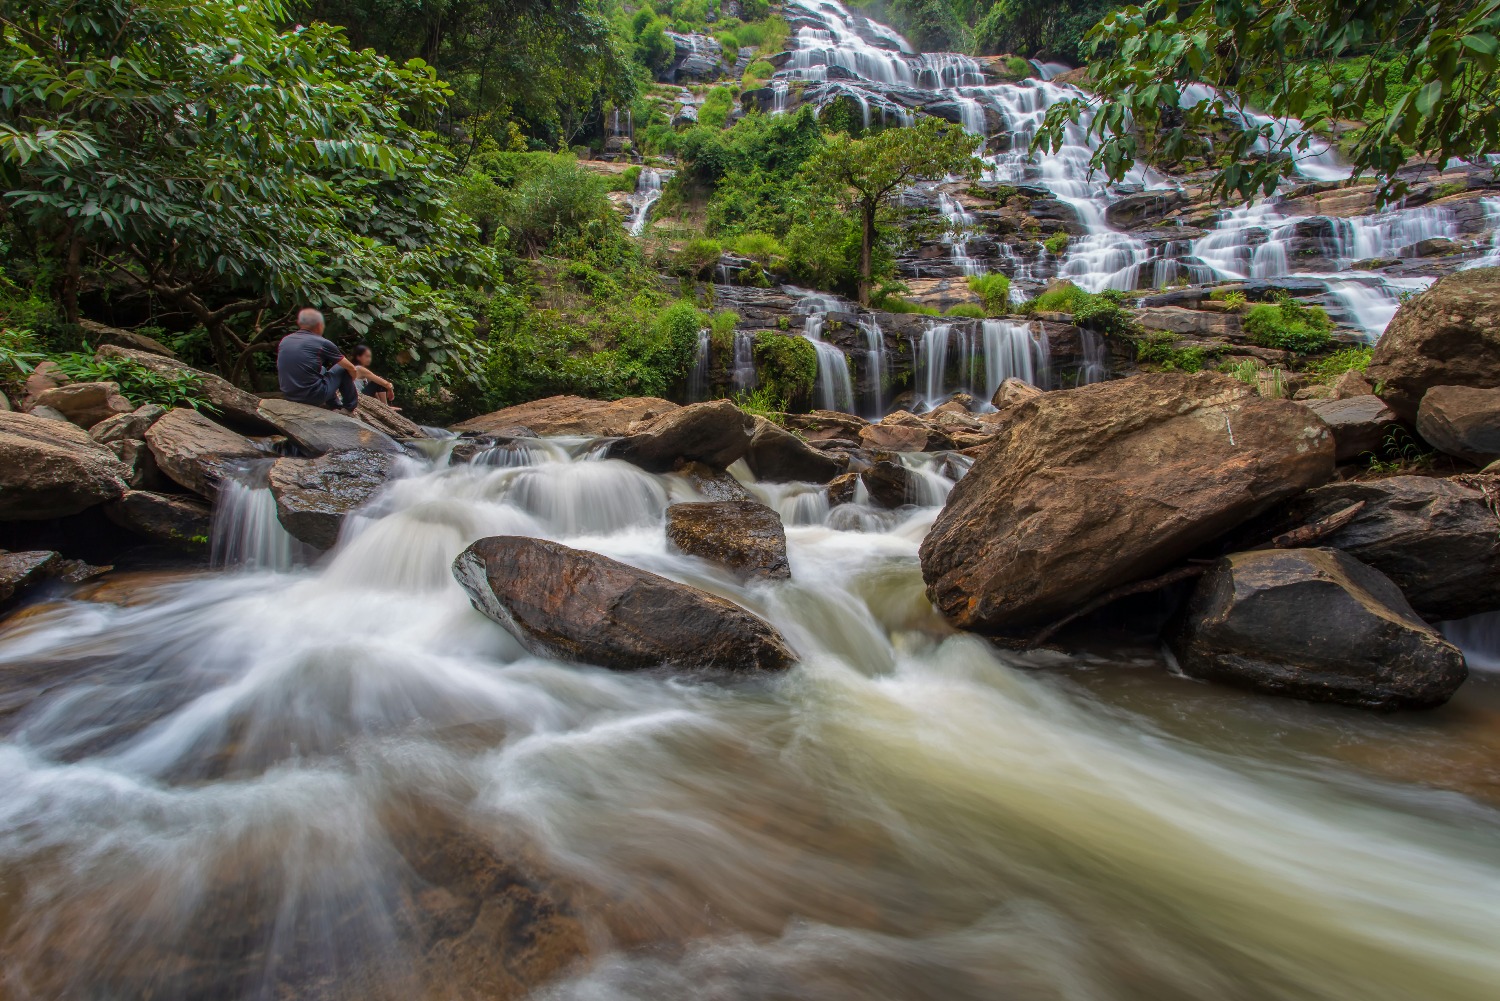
647	193
234	766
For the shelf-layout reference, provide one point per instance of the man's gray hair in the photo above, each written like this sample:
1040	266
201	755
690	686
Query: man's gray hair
310	319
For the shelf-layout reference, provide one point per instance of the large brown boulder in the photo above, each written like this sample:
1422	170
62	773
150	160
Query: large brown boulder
1013	391
174	518
50	469
1314	624
319	430
1090	488
891	484
905	432
86	403
313	496
195	452
99	333
580	606
776	455
743	535
824	426
231	404
715	434
1462	421
1437	539
124	426
1359	424
572	415
384	417
1447	336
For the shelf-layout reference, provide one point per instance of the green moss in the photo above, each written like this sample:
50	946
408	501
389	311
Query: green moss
1057	243
787	366
1019	68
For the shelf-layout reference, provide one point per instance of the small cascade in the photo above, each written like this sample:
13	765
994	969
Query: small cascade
697	388
779	91
742	376
1049	70
1478	637
962	358
1095	366
835	389
932	365
647	193
876	367
960	230
246	533
1491	208
1013	351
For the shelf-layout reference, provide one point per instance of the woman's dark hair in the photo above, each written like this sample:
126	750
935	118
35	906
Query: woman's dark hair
360	350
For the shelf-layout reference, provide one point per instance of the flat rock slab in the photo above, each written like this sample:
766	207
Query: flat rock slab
86	403
1462	421
572	415
743	535
313	496
319	431
51	469
1314	624
196	452
1087	489
122	427
582	607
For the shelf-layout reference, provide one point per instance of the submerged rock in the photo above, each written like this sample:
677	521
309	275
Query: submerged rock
20	571
313	496
1437	539
712	484
1462	421
582	607
174	518
778	456
197	453
572	415
1447	336
1314	624
319	431
1090	488
715	434
743	535
50	469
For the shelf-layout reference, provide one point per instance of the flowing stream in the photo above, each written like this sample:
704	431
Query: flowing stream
214	784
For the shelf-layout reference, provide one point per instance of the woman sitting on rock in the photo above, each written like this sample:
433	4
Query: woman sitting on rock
366	381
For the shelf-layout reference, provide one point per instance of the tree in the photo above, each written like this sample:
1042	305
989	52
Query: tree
866	173
191	151
1418	78
1052	29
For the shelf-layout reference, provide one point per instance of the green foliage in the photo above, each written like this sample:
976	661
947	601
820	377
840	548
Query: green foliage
1288	325
1268	383
969	310
760	247
202	156
541	200
699	256
716	108
1055	29
1351	359
1057	243
625	180
1399	453
1156	350
763	402
19	354
722	324
1233	298
751	172
993	290
757	73
138	384
1418	78
1104	310
786	365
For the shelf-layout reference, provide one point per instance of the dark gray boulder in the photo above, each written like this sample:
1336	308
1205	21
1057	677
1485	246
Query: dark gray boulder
1359	424
318	430
582	607
1462	421
778	456
1314	624
313	496
172	518
196	452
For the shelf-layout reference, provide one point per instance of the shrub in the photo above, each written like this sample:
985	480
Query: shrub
699	255
1157	350
1057	243
1104	311
785	365
994	292
758	72
1289	326
1018	67
967	310
18	354
723	323
625	180
1233	298
138	384
1328	369
716	107
762	402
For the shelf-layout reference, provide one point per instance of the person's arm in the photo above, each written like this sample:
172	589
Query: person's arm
347	365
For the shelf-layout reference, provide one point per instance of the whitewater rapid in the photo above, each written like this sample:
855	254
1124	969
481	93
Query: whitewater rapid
908	813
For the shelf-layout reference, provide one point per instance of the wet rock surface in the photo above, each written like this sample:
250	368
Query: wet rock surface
742	535
1447	336
177	519
196	452
572	415
1462	421
1091	488
586	608
890	484
313	496
778	456
50	469
715	434
1314	624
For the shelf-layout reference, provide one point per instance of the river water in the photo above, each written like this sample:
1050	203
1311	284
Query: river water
207	779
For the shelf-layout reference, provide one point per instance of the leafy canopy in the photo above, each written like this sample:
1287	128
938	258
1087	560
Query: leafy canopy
1424	83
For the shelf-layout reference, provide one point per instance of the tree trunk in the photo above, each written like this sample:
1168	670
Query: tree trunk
866	252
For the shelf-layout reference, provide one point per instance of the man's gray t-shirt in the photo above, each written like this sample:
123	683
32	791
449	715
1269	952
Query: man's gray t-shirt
301	360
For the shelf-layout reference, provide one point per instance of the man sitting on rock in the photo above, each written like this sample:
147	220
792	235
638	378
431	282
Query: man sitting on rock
311	368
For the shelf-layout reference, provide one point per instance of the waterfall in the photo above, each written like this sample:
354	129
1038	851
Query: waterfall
998	350
932	364
742	376
1095	367
246	532
647	193
1012	350
875	368
835	389
960	229
698	377
1491	259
